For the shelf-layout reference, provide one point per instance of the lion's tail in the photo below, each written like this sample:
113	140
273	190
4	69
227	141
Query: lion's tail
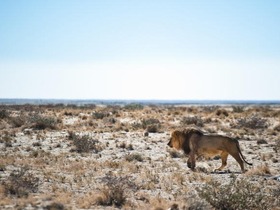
239	150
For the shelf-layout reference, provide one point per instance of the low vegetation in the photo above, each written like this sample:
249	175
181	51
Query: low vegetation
116	157
85	143
237	194
20	183
252	122
115	191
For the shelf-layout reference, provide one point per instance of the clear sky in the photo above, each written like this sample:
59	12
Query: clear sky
140	49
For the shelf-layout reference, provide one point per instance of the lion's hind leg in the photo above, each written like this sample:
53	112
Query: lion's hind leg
237	157
224	157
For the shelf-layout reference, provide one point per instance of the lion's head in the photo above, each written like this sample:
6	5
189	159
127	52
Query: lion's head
180	139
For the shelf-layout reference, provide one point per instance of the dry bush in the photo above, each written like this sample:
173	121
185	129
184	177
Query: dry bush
152	125
277	146
41	122
134	157
110	120
4	114
133	106
85	143
18	121
55	206
175	154
115	190
252	122
20	183
238	109
238	194
123	145
277	127
261	141
153	128
261	170
222	112
100	115
159	204
7	140
209	109
192	121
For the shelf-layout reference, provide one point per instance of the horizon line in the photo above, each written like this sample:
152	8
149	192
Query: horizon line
22	101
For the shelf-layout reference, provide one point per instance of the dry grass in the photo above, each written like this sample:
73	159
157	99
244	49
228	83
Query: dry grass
96	157
261	170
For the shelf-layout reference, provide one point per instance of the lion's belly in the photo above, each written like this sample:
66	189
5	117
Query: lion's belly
209	152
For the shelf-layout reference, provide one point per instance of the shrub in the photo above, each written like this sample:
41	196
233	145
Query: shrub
55	206
134	106
238	109
174	154
110	120
123	145
261	141
86	144
151	125
277	127
192	121
150	121
100	115
40	122
277	146
132	157
7	140
21	182
4	114
115	189
253	122
221	112
18	121
261	170
238	194
153	128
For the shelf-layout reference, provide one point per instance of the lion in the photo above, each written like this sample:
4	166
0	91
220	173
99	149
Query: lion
195	143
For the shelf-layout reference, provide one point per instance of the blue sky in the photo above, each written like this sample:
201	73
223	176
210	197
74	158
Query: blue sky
128	49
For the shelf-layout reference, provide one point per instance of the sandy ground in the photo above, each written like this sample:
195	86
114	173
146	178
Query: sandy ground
111	157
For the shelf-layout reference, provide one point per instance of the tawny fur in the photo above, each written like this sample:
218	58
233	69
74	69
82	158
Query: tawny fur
195	143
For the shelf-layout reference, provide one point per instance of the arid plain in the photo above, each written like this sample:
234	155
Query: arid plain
116	157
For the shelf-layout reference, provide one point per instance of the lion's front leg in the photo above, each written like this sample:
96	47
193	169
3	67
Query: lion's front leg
191	161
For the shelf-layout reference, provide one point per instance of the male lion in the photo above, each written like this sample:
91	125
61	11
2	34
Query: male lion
195	143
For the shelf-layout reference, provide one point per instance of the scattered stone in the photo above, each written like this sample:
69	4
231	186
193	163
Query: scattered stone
146	133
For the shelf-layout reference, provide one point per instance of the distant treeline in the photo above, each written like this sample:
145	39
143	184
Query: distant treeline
82	102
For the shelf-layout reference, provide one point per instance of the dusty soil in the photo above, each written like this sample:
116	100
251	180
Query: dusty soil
111	157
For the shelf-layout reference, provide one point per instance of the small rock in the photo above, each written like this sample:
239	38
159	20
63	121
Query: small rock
146	133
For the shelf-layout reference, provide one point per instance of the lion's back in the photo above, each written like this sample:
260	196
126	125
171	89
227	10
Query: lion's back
211	145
